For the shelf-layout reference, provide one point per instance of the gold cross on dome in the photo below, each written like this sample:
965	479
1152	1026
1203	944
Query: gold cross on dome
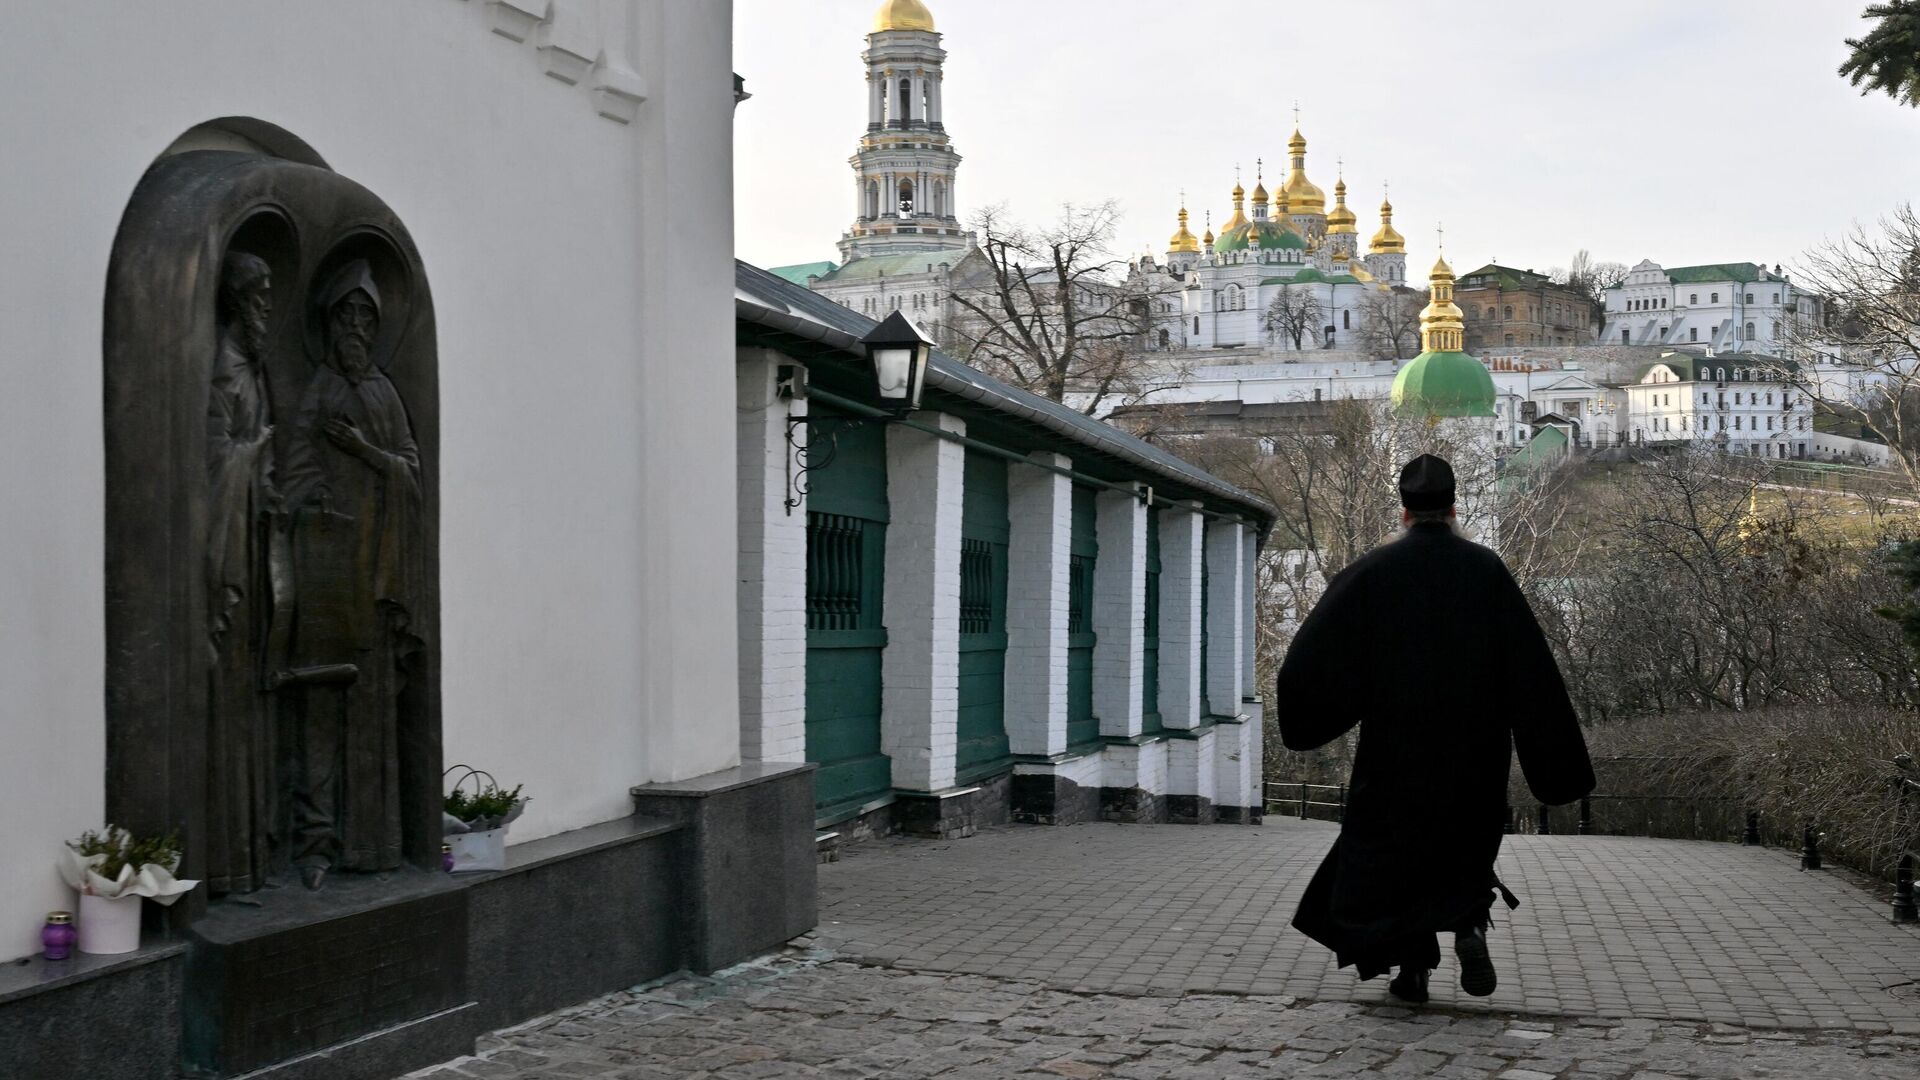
1440	229
1259	168
1296	112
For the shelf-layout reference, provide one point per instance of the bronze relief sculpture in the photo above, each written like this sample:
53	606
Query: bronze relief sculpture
240	497
272	415
353	480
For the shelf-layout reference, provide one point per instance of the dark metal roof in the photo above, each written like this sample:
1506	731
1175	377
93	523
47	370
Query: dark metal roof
796	312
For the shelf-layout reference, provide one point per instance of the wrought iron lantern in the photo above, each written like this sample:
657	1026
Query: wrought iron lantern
897	351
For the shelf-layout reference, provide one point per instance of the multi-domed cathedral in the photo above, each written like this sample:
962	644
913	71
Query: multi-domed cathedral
1292	244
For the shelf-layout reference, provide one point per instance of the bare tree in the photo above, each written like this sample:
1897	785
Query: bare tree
1051	310
1390	323
1590	279
1295	314
1860	362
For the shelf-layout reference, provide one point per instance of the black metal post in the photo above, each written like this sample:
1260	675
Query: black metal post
1509	828
1546	826
1343	804
1586	816
1903	906
1752	838
1810	849
1303	800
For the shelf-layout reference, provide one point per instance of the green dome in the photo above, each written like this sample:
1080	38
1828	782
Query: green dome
1272	235
1443	384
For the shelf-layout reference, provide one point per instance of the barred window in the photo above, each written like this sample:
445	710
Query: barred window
976	586
835	551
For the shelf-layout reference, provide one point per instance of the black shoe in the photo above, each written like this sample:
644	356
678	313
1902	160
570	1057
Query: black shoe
312	876
1477	976
1409	985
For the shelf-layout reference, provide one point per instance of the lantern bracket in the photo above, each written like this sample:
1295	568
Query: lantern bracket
821	446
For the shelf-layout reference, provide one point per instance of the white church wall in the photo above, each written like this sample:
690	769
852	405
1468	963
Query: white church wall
580	267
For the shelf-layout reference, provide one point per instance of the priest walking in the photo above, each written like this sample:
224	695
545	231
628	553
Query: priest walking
1429	646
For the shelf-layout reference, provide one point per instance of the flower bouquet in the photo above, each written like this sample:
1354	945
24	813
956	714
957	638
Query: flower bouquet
112	869
475	819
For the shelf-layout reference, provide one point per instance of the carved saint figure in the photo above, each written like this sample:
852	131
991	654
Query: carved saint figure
240	782
353	478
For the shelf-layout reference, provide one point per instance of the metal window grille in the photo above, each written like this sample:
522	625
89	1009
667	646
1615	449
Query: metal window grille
835	550
976	586
1079	594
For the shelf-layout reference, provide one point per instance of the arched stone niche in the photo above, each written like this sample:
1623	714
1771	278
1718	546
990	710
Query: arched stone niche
272	548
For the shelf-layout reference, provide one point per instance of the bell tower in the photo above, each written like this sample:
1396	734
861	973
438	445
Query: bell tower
904	169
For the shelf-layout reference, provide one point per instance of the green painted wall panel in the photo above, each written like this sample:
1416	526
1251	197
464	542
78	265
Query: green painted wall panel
846	561
1082	725
983	618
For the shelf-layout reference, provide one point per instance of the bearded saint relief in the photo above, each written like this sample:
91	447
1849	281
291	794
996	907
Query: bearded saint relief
353	483
240	496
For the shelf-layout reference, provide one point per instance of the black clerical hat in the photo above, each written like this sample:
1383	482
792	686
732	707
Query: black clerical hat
1426	484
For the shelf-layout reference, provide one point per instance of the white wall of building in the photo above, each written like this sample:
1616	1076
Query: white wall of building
581	268
1648	308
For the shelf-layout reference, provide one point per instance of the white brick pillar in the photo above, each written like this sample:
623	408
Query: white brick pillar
920	671
772	588
1040	513
1180	553
1226	582
1249	585
1119	611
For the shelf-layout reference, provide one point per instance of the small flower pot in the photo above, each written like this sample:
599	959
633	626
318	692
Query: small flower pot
109	924
477	851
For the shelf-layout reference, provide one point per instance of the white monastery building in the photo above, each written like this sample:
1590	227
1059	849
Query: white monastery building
1722	307
1741	404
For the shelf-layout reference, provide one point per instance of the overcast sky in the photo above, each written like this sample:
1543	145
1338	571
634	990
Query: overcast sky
1686	131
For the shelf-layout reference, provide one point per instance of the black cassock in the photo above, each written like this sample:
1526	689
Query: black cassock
1428	645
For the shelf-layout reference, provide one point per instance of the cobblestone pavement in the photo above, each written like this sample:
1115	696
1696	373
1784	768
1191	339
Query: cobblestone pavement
1132	951
796	1017
1609	926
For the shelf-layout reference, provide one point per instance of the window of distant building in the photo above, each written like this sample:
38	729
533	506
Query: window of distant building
1693	298
1776	298
1626	337
1716	297
1196	324
1749	336
1776	329
1509	311
1749	298
1693	333
1346	320
1736	423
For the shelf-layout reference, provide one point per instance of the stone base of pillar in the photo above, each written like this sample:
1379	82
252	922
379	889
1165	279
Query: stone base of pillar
1190	810
1190	775
1133	785
956	812
1062	791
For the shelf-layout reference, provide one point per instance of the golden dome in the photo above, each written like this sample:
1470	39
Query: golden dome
1388	240
1182	240
1260	193
1302	195
1442	328
902	15
1239	212
1340	219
